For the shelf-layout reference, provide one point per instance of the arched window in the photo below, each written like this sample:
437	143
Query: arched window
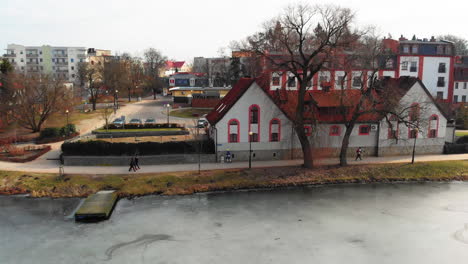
413	116
393	127
308	130
275	130
433	126
233	131
335	130
254	123
253	114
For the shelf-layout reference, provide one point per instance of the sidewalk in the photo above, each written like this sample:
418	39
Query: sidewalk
52	166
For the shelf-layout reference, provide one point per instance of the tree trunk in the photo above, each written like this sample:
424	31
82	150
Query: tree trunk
94	105
344	146
129	95
154	94
306	149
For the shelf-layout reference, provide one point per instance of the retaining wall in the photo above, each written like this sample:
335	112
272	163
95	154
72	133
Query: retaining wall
143	160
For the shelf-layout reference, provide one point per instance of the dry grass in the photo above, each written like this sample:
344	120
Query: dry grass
39	185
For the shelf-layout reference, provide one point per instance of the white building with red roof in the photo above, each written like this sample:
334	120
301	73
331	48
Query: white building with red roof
253	105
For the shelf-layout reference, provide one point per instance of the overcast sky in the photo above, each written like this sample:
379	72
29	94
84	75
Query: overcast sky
183	29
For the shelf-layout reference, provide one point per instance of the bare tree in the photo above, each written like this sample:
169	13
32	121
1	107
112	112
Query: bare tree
90	77
106	114
461	44
155	61
36	98
305	37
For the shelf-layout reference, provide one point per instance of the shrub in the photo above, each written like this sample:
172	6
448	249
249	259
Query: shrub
50	132
455	148
103	148
462	140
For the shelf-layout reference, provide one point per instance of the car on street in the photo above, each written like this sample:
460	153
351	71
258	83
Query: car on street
202	123
135	121
118	122
150	121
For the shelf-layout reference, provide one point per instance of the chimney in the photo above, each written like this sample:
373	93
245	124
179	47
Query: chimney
402	38
433	39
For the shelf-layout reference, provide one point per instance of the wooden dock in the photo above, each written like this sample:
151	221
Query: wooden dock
97	207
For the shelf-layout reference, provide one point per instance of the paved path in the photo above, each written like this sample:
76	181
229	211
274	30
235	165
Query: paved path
150	108
52	166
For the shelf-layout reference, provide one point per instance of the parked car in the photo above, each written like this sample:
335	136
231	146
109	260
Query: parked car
118	122
202	123
136	121
150	121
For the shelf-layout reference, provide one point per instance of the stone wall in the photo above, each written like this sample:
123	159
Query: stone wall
143	160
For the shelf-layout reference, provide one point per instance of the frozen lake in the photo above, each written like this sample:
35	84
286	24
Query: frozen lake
383	223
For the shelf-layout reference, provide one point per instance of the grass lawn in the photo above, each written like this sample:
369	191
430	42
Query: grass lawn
461	133
139	130
60	119
188	113
172	183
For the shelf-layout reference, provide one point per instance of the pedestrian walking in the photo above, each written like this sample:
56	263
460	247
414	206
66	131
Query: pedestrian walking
359	154
228	157
137	166
132	164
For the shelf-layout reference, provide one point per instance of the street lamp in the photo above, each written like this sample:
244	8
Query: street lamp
250	149
168	106
66	112
416	130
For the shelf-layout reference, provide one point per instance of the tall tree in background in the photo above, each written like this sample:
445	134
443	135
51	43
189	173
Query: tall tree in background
116	74
136	73
306	37
90	76
154	62
35	99
461	44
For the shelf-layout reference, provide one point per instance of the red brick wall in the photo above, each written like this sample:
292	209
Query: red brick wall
205	103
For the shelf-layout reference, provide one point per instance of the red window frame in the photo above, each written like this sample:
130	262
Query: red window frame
229	131
366	133
279	129
436	129
332	133
258	122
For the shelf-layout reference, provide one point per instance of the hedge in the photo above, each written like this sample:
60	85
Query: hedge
462	140
103	148
132	126
455	148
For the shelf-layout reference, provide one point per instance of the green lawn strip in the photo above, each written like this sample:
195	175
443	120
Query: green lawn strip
172	183
189	113
461	133
138	130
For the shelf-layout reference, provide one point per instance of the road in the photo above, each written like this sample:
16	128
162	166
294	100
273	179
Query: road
149	108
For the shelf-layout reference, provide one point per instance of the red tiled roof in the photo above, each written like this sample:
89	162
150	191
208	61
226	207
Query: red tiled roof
229	100
328	103
175	64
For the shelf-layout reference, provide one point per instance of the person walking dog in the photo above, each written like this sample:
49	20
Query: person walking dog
359	154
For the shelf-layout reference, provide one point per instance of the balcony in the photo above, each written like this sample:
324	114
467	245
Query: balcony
61	63
32	62
61	70
81	56
32	55
9	55
60	55
33	70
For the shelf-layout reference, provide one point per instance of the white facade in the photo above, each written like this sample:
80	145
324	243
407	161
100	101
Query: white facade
61	62
372	136
460	92
431	75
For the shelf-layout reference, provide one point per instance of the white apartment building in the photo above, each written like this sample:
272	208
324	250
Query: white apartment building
61	62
